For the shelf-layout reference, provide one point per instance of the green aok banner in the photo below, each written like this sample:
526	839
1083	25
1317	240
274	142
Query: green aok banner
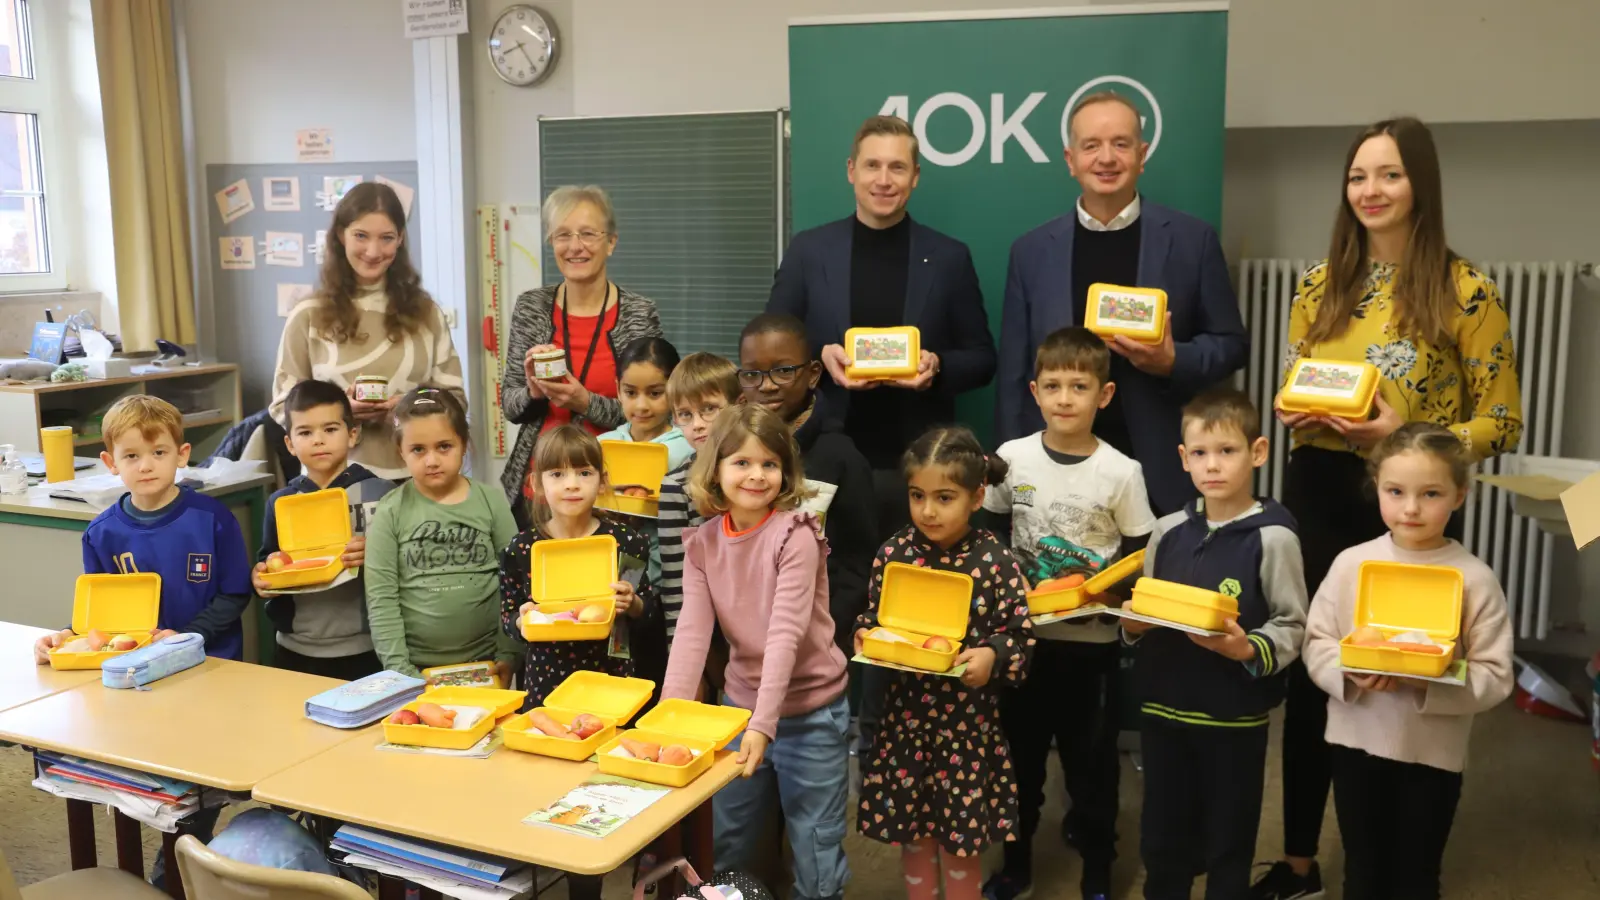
989	99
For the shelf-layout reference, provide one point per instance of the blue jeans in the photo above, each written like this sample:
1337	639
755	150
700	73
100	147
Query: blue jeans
807	766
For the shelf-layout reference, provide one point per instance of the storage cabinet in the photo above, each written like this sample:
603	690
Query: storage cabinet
207	395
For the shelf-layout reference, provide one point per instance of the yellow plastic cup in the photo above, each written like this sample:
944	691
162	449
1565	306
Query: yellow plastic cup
56	442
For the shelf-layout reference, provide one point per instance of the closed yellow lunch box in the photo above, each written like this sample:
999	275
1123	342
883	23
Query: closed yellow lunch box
567	575
883	352
1183	604
1330	387
918	603
116	605
314	526
632	466
1398	597
611	699
1044	600
1136	313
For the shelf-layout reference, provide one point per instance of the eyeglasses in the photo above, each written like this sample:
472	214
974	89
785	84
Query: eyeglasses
780	375
586	238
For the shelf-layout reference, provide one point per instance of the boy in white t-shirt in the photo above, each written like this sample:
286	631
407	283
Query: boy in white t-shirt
1076	506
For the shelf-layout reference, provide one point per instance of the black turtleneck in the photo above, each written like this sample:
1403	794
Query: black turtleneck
1108	257
880	259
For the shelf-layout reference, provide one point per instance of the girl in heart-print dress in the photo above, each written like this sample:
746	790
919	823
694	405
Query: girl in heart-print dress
937	777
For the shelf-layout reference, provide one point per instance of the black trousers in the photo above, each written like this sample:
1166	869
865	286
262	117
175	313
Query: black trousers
1072	696
1202	806
344	668
1395	819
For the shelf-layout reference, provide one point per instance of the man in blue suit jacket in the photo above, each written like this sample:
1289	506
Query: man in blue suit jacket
1115	237
878	268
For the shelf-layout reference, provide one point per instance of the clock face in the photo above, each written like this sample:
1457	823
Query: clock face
522	46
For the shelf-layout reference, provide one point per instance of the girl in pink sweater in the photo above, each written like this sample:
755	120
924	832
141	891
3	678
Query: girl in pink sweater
758	570
1399	744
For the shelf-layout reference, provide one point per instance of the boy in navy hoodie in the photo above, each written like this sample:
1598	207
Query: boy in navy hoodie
324	632
1205	699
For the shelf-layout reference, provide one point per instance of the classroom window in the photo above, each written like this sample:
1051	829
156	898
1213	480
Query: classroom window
25	262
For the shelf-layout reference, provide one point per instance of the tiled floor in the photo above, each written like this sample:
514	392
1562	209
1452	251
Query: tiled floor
1528	827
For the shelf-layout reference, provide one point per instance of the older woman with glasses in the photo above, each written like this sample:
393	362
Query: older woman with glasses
561	362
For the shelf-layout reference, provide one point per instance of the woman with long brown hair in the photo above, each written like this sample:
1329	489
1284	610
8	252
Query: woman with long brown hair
1392	294
369	317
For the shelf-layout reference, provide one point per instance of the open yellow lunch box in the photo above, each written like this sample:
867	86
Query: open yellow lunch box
567	575
1183	604
883	352
1329	387
611	699
115	605
918	604
1136	313
702	727
314	526
1398	597
494	701
1044	599
632	466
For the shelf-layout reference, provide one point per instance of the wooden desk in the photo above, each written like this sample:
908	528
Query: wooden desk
22	680
477	804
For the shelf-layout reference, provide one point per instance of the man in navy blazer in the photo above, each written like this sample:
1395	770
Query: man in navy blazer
878	268
1116	237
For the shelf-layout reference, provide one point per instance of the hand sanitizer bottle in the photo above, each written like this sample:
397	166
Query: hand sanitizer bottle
13	474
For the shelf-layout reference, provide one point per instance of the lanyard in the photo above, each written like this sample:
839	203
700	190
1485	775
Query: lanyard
594	341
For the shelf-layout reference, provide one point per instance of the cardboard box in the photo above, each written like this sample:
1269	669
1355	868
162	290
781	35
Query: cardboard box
1562	494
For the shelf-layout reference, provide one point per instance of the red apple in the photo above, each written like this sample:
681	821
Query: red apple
585	725
278	561
936	644
405	717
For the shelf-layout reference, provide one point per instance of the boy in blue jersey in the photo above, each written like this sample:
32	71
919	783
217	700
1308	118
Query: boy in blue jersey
192	541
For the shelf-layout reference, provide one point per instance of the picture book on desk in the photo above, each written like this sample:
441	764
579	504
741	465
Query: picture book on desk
599	806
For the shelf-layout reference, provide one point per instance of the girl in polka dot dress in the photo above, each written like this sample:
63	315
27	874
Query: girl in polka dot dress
569	475
937	778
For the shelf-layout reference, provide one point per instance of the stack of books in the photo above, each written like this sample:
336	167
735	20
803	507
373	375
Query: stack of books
365	700
155	801
449	870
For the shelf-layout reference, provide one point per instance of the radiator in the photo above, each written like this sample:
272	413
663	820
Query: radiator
1538	298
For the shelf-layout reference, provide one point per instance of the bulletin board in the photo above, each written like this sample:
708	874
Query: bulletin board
254	282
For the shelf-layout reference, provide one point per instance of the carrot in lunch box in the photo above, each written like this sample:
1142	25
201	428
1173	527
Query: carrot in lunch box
642	749
541	720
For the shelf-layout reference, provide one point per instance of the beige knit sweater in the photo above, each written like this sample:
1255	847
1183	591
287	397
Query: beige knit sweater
1420	721
425	358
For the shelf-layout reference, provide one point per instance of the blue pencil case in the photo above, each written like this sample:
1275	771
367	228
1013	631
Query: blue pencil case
154	662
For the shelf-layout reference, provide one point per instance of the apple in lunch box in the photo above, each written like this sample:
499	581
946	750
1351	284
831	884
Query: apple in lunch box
278	560
593	613
583	725
937	645
405	717
122	643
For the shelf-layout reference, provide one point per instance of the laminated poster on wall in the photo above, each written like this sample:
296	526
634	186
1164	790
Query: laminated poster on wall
238	252
319	250
281	194
334	187
234	201
404	191
286	248
289	296
313	145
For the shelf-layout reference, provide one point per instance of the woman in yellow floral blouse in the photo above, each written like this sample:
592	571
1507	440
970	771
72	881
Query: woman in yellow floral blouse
1391	293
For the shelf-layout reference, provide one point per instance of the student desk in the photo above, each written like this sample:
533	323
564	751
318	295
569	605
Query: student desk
21	681
479	804
222	724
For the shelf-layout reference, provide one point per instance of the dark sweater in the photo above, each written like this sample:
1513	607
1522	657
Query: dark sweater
829	456
879	268
1106	257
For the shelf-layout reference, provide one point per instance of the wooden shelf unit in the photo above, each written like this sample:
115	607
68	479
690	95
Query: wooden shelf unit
26	407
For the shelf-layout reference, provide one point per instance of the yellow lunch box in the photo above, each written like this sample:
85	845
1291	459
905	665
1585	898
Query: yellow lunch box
701	727
116	605
1330	387
611	699
883	352
1398	597
567	575
1044	600
314	526
1136	313
918	603
493	701
633	465
1183	604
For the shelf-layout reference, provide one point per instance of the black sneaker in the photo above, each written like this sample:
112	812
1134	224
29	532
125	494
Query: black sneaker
1001	886
1281	883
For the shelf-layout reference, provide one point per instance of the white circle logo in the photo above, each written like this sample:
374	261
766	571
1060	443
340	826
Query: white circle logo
1155	109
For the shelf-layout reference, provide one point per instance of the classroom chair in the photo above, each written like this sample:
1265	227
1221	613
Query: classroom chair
210	876
100	883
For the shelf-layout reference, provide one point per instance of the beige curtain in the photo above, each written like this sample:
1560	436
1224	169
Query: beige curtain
144	147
